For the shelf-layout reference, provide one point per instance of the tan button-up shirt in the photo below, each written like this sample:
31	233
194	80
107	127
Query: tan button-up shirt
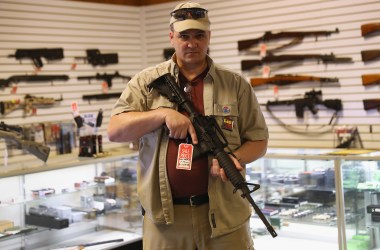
226	94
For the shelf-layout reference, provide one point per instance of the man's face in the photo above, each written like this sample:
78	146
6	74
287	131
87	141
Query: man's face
190	46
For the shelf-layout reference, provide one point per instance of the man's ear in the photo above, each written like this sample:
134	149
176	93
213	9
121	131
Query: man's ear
171	35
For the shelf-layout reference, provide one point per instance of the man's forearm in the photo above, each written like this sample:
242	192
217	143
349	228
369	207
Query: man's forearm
130	126
251	151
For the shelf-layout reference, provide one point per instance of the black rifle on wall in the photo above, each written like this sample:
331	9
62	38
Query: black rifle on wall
331	58
211	139
13	134
371	104
370	79
311	100
105	77
297	36
283	80
370	55
103	96
95	58
370	29
36	54
31	78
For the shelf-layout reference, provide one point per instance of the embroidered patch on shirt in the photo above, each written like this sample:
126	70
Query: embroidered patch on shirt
228	123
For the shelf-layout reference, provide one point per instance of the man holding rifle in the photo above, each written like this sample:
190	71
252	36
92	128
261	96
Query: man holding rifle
189	203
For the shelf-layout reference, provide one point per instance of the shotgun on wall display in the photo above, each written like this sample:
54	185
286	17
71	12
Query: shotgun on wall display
31	78
373	103
370	55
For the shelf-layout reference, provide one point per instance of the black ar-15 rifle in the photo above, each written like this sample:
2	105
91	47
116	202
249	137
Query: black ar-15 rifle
31	78
310	101
297	36
13	133
95	58
249	64
289	79
36	54
105	77
210	139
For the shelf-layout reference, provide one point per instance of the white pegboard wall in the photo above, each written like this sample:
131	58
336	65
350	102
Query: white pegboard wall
139	35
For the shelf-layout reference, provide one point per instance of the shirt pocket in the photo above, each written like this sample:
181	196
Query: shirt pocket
226	116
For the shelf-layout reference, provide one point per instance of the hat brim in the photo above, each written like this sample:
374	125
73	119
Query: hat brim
188	24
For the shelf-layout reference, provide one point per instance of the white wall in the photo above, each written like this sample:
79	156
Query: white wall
139	35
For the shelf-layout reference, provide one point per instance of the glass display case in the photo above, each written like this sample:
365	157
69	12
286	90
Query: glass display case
322	197
361	185
71	201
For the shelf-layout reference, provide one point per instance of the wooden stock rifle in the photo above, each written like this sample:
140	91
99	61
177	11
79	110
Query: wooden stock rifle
371	104
297	36
370	55
289	79
370	29
331	58
370	79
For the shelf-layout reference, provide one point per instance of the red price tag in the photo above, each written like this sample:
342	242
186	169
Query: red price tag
266	71
185	156
263	50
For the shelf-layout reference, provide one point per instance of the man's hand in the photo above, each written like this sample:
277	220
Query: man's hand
217	171
179	125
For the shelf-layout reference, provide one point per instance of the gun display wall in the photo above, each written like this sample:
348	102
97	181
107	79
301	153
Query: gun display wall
64	135
272	58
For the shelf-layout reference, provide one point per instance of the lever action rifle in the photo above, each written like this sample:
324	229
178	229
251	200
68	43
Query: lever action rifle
13	134
31	78
369	29
311	100
96	58
249	64
371	104
297	36
370	55
370	79
282	80
105	77
36	54
211	139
